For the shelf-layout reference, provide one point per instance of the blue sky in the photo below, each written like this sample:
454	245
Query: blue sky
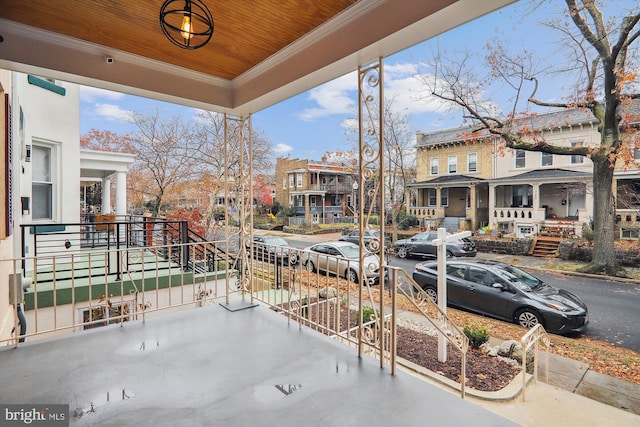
312	123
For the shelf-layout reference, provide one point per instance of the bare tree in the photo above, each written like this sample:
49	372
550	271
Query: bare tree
163	149
399	157
211	158
600	60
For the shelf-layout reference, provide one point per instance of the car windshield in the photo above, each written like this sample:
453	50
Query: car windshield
351	252
275	241
519	278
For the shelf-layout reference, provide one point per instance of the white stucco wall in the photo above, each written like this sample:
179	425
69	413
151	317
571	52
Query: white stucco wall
53	120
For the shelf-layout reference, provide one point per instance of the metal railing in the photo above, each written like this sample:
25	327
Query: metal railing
532	338
45	241
327	301
330	300
430	311
77	291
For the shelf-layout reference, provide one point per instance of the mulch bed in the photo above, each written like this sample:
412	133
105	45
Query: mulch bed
484	373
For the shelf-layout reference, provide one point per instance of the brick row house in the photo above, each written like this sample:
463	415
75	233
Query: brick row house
320	192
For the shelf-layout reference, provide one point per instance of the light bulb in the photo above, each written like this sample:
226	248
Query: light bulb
187	30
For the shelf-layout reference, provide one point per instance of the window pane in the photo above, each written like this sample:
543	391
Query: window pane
453	164
41	201
444	197
547	159
432	197
575	159
520	158
434	166
472	164
41	163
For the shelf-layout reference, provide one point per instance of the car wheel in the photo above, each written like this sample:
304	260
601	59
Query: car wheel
293	258
310	267
431	293
449	254
352	276
402	252
528	318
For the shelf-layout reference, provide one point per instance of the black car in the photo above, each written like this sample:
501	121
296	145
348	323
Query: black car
421	245
371	239
272	248
500	290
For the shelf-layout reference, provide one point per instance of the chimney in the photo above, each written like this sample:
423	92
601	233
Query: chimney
324	159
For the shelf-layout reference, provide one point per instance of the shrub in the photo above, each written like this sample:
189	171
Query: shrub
477	335
368	314
408	221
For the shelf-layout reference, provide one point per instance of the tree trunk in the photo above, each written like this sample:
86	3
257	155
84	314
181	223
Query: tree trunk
604	210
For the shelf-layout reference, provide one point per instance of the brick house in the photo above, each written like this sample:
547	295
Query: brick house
319	191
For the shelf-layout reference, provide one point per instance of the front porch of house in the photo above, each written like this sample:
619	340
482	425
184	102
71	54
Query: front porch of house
255	343
553	203
216	365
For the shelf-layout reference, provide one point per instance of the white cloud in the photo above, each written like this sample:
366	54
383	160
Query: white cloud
91	94
111	112
335	97
282	148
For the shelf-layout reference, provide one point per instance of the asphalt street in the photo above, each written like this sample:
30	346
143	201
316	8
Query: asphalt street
613	306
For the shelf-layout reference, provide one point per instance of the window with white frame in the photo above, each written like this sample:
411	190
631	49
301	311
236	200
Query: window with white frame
520	158
432	197
292	181
434	166
453	164
472	162
444	197
575	158
299	180
546	159
284	182
42	182
313	200
629	233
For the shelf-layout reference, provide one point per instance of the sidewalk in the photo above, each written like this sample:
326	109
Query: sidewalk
574	395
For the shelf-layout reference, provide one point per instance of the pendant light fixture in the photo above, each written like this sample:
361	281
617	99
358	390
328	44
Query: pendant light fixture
186	23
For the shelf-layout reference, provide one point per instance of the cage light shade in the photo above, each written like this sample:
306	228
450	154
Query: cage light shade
186	23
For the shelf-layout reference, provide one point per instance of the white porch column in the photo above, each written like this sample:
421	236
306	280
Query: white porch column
121	193
106	196
492	205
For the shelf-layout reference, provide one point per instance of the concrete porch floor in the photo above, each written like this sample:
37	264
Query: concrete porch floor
212	366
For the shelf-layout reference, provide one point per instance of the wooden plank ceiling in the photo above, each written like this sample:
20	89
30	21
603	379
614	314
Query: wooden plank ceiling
261	52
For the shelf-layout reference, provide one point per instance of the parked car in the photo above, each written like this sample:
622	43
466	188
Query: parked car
421	245
342	259
272	248
500	290
371	239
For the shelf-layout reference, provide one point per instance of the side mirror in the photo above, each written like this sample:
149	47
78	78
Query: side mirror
499	286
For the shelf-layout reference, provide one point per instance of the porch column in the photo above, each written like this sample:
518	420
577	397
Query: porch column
491	206
588	199
438	200
307	209
473	208
121	193
106	196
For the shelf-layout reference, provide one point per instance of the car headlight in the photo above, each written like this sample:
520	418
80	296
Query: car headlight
557	307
